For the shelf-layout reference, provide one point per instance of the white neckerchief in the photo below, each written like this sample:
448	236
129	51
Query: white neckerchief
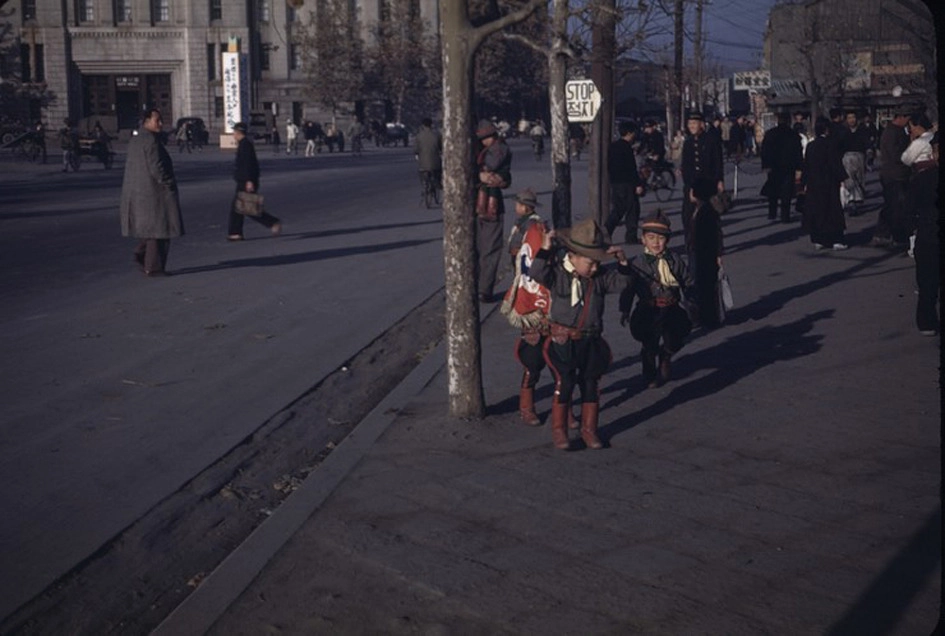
662	267
577	294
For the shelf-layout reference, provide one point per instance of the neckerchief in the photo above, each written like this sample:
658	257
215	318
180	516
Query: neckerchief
662	267
575	281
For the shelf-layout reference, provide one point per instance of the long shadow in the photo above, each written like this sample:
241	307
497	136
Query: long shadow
736	358
49	213
792	233
882	605
774	301
354	230
307	257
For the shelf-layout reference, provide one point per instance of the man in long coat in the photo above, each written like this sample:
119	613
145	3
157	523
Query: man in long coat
781	157
822	176
150	205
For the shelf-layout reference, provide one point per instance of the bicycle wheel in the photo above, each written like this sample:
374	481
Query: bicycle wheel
665	182
429	192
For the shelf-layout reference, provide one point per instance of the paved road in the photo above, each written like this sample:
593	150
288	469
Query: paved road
118	389
786	481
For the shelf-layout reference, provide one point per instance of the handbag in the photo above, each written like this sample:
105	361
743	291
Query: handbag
249	204
725	290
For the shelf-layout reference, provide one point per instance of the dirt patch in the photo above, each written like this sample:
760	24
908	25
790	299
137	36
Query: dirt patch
134	581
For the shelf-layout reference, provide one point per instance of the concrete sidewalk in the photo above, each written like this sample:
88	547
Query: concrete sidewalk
785	481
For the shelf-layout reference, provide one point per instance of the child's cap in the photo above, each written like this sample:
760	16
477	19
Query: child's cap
657	223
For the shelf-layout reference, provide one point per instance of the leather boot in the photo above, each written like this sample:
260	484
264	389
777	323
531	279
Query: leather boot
649	368
526	406
589	412
573	424
665	359
559	425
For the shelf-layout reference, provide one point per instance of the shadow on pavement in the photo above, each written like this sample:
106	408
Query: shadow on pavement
730	361
306	257
772	302
880	607
353	230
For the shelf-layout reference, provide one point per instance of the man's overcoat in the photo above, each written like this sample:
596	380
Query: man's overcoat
150	205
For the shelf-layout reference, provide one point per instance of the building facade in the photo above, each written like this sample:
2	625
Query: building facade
106	60
868	55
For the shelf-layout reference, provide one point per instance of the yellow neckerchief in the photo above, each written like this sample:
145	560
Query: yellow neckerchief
575	281
662	267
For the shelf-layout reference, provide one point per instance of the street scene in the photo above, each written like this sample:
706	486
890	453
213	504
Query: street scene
641	341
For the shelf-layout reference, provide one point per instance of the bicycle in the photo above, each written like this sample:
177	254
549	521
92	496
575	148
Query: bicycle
430	188
659	178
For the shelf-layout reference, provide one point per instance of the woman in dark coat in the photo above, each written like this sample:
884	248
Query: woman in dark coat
821	179
706	257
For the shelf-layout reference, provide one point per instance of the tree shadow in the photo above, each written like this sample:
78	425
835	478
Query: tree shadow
880	607
776	238
306	257
730	361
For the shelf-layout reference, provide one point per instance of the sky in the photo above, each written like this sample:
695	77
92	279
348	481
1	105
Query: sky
733	31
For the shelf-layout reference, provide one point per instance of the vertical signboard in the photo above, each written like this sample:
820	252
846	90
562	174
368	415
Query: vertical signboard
235	90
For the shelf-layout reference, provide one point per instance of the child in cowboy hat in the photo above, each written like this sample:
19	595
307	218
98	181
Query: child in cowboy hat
575	350
658	321
526	302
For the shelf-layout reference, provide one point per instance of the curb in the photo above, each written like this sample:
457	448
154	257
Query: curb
206	604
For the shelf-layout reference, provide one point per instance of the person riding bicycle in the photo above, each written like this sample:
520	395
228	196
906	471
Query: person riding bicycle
653	146
428	148
537	134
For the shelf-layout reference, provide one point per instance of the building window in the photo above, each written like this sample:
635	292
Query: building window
85	10
29	10
25	76
264	56
216	9
264	10
123	10
160	10
211	62
295	57
290	15
218	107
97	95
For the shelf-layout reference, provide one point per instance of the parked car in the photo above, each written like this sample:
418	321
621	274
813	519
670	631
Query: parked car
200	136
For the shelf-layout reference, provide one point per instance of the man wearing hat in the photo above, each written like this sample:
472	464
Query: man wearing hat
575	350
701	158
494	163
662	279
625	184
526	302
893	178
247	180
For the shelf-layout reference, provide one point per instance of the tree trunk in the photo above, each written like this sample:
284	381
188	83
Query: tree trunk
602	72
560	152
463	349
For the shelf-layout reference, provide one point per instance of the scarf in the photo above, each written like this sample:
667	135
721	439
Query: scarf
576	290
662	267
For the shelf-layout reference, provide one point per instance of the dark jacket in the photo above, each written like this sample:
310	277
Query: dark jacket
247	166
822	176
646	286
702	157
547	269
892	143
781	151
622	164
921	202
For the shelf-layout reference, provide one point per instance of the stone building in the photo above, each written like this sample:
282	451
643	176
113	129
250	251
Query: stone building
106	60
864	54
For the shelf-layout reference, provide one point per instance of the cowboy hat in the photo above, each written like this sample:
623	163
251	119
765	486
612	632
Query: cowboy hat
528	197
585	238
486	129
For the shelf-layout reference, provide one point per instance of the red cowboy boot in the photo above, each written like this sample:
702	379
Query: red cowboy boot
559	425
589	412
526	406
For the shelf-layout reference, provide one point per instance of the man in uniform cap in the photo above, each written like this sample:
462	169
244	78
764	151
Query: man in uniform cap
701	158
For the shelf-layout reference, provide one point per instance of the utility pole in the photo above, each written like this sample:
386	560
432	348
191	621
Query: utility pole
603	39
698	54
678	58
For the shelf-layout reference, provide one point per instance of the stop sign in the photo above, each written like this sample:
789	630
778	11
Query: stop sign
583	100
